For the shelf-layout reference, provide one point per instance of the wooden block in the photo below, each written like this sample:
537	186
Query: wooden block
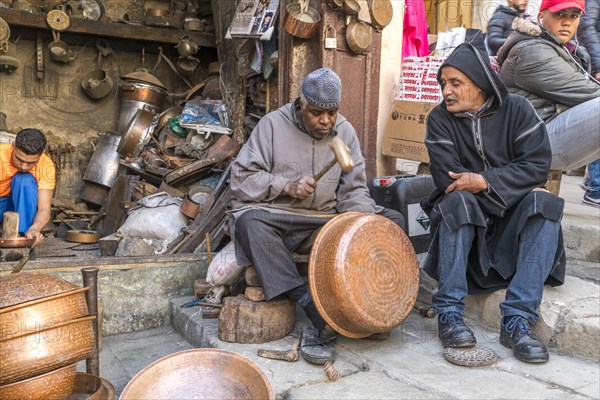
251	277
201	287
254	293
245	321
10	226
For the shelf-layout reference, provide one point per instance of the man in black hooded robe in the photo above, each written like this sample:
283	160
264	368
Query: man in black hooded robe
494	225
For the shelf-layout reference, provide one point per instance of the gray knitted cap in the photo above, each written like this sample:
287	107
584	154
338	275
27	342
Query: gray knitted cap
323	89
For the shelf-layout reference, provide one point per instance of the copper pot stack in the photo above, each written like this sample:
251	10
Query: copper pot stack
45	329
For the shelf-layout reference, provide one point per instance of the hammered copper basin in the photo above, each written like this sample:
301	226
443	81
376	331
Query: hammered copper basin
57	384
363	274
34	353
200	374
25	286
32	315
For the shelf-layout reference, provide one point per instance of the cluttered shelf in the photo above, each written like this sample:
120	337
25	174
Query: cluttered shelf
108	29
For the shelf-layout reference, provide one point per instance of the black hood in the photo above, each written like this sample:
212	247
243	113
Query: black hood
476	65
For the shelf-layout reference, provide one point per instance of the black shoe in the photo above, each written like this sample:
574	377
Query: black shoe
517	334
327	334
314	350
453	332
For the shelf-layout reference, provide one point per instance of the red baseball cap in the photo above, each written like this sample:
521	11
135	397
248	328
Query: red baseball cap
557	5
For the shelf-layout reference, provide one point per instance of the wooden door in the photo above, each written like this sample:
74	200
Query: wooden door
359	75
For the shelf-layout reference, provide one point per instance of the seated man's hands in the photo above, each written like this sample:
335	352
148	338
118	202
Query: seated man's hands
301	188
466	181
34	233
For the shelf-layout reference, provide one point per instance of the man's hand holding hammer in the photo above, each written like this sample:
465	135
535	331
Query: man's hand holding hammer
301	188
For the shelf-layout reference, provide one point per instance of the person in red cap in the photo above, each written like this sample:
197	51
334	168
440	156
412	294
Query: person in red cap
544	63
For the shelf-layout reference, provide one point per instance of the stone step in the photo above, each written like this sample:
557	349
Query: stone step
570	316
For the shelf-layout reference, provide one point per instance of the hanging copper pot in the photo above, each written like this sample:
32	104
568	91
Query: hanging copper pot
301	23
381	12
358	36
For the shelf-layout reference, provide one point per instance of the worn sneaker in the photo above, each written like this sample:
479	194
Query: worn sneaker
591	198
453	332
516	333
314	349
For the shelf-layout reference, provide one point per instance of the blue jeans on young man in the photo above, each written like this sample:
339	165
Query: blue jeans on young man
573	136
23	199
537	247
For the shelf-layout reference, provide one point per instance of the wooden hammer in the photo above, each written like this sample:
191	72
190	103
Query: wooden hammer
342	157
290	355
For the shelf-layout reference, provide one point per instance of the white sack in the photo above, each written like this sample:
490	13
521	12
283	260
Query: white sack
224	269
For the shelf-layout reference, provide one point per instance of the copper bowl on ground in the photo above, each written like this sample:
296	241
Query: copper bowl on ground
57	384
363	274
92	387
27	286
32	315
34	353
200	374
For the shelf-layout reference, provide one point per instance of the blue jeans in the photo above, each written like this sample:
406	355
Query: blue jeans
593	181
23	199
537	246
574	136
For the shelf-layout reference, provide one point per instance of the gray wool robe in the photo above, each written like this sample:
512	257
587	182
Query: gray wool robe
279	150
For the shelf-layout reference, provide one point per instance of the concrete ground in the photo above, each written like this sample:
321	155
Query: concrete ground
410	364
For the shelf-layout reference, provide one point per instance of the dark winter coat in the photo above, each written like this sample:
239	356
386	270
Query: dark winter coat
500	27
537	66
588	32
508	145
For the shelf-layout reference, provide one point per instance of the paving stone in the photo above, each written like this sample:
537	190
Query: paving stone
360	386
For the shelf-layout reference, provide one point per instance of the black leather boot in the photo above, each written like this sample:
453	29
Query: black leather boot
516	333
453	332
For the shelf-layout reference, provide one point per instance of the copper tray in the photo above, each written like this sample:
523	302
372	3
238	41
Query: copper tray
18	242
363	274
200	374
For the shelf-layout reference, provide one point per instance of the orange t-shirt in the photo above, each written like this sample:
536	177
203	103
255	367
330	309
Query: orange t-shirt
44	171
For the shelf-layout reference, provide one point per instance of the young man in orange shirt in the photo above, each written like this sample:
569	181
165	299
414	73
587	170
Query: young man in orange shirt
27	179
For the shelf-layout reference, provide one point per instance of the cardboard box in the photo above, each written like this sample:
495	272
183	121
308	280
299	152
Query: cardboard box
405	149
404	136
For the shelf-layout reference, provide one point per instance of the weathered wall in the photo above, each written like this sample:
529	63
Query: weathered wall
135	291
57	104
391	61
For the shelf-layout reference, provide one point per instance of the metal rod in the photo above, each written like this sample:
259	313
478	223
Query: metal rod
90	280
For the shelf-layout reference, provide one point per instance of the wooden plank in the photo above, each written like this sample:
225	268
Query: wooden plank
10	228
109	29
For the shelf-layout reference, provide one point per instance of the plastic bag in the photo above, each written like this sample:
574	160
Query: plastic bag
224	269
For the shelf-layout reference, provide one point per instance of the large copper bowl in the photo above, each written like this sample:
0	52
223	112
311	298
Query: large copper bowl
25	286
363	274
200	374
57	384
44	312
34	353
